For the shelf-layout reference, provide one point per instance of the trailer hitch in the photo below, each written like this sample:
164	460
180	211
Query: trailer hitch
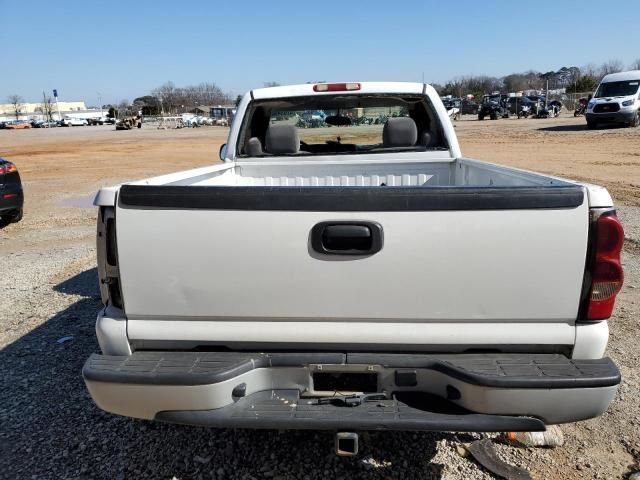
351	400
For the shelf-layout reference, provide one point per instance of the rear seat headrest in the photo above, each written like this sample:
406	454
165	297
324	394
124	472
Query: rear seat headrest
254	147
428	139
282	139
399	132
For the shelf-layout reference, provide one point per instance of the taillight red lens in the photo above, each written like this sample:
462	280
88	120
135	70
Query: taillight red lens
606	273
609	236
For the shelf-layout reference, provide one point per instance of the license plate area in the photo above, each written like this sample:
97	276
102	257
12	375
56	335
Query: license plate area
331	379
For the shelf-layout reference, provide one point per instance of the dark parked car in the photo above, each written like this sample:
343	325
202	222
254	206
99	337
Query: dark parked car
465	106
450	102
43	124
11	197
469	107
493	106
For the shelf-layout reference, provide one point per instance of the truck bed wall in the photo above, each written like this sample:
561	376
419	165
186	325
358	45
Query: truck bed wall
449	172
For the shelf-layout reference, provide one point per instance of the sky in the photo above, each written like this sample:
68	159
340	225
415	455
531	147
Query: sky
114	50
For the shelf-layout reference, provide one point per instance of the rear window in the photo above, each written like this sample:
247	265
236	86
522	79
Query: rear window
331	125
358	126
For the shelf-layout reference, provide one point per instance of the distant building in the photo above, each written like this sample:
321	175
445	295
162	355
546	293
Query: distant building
33	111
27	108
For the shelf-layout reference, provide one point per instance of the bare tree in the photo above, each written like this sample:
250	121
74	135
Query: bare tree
517	82
204	93
475	85
47	107
611	66
17	103
457	86
167	95
591	70
573	79
123	108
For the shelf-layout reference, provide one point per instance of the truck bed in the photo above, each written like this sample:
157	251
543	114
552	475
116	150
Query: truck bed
436	172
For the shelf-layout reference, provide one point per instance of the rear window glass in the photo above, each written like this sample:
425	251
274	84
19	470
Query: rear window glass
341	124
360	126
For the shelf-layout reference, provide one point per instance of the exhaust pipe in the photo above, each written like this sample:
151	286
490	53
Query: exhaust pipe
346	444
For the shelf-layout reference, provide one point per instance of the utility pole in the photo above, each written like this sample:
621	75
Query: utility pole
55	95
45	110
546	97
100	101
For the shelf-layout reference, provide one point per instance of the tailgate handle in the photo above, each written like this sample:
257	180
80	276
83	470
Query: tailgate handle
346	238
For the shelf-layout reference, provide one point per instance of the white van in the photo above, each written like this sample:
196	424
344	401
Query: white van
617	100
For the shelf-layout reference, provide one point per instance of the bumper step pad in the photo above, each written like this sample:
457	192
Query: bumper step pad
490	370
284	409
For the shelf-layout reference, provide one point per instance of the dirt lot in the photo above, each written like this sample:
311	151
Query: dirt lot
48	299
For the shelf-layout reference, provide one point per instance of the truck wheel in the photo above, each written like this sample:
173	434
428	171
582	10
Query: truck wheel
591	125
493	116
635	122
480	116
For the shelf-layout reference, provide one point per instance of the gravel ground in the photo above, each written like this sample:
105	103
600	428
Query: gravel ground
51	429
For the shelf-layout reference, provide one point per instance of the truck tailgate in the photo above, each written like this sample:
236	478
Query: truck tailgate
192	263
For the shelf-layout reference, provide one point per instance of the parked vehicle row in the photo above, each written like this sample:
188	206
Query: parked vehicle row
65	122
616	101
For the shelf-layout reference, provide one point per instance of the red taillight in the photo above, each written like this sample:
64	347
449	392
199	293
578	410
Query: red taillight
335	87
8	168
606	270
10	195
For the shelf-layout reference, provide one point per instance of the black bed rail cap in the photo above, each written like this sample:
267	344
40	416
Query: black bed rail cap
350	199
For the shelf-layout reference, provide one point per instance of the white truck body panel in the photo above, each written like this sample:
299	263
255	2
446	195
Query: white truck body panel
370	335
266	258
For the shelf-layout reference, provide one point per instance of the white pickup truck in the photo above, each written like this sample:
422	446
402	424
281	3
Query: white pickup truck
346	268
